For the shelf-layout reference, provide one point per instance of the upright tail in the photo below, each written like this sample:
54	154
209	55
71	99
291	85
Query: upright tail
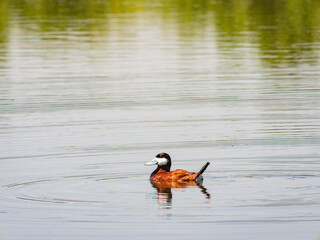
202	169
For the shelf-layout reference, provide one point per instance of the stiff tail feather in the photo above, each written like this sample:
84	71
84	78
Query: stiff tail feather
202	169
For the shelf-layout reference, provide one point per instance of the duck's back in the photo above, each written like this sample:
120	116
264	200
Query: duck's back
178	175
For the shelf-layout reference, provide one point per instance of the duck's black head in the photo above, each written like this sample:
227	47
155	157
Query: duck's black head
163	161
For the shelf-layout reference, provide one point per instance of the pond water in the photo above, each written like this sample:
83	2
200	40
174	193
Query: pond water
91	90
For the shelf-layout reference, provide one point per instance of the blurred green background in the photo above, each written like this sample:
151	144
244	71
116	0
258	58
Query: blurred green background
283	31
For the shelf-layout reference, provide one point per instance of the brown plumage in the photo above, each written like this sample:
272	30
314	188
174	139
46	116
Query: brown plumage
178	175
163	174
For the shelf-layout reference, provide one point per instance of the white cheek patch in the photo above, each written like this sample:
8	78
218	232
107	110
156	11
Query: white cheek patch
161	161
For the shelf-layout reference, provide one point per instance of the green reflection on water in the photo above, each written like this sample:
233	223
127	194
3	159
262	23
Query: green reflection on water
3	21
3	33
284	31
286	27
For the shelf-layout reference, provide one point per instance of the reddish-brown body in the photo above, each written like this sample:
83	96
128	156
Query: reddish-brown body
176	176
162	178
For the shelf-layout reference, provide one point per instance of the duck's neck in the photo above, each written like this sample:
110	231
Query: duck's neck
162	168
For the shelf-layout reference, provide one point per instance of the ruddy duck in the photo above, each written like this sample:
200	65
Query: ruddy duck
162	174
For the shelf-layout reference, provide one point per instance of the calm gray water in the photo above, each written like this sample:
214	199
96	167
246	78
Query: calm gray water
89	91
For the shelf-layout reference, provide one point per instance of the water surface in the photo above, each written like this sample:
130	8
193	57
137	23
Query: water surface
90	90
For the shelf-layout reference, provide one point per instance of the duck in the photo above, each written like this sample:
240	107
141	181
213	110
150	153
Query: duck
163	175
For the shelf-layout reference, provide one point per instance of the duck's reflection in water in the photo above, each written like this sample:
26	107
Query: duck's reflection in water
164	193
